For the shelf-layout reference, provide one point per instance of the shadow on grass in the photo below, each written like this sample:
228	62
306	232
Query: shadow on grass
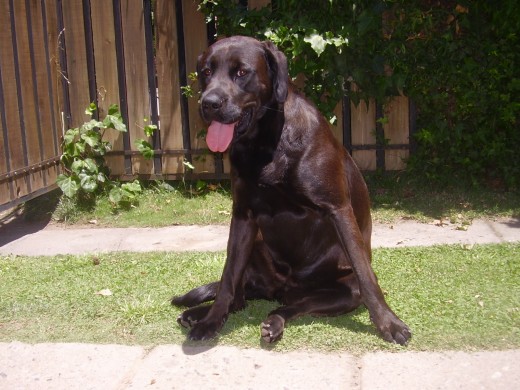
415	197
252	317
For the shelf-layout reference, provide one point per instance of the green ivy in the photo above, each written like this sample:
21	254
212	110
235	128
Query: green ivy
458	61
86	174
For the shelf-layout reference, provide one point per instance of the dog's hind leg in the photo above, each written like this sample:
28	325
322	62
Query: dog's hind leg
323	302
197	295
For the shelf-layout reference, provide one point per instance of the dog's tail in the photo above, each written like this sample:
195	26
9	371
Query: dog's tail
197	295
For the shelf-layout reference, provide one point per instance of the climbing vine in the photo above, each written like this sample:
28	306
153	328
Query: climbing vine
458	61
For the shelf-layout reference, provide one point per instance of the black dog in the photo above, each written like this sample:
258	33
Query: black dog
301	226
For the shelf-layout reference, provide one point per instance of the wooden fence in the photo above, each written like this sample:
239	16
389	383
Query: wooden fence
57	56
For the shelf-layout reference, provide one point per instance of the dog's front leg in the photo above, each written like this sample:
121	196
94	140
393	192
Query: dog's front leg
242	235
389	325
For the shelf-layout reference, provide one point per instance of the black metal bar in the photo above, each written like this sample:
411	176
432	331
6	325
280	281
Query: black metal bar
383	147
185	119
170	152
63	65
152	81
211	30
34	83
19	90
31	168
380	138
3	119
347	124
89	48
412	125
211	34
49	78
121	76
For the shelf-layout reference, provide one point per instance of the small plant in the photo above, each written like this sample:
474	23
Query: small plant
144	147
189	90
85	171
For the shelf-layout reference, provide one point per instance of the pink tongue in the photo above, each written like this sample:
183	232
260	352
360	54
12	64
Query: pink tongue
219	136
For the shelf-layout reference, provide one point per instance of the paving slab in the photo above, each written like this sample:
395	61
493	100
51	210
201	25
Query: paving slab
66	366
178	367
90	366
441	370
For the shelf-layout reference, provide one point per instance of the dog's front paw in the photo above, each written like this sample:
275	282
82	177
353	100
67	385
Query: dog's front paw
394	330
271	329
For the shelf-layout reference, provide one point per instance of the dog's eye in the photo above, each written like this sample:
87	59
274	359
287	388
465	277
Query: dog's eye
206	72
241	72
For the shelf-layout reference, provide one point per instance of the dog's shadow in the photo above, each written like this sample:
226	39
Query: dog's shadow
256	312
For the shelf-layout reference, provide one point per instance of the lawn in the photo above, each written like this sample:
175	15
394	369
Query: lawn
451	297
393	198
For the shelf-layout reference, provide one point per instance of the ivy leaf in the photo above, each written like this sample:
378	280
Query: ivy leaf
149	130
144	148
101	177
114	119
115	195
188	165
114	122
68	185
114	110
91	125
131	189
88	182
91	138
90	165
70	136
79	148
91	108
77	166
317	43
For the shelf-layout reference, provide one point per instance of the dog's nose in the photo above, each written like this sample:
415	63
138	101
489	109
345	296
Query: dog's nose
211	103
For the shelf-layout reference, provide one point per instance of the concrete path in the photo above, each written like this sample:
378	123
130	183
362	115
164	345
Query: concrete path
52	240
88	366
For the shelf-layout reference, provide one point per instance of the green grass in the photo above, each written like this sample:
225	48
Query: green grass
400	196
451	297
394	197
158	205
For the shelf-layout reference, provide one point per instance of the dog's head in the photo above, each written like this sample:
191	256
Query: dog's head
240	78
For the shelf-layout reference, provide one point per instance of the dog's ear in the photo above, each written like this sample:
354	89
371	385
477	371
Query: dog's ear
278	64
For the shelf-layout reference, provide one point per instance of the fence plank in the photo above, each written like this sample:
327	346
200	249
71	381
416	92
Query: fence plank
195	29
168	82
10	109
363	122
138	98
43	94
257	4
106	74
6	194
54	48
397	132
76	61
30	119
337	128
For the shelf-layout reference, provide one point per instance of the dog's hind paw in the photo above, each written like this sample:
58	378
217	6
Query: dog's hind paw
186	321
191	317
271	329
